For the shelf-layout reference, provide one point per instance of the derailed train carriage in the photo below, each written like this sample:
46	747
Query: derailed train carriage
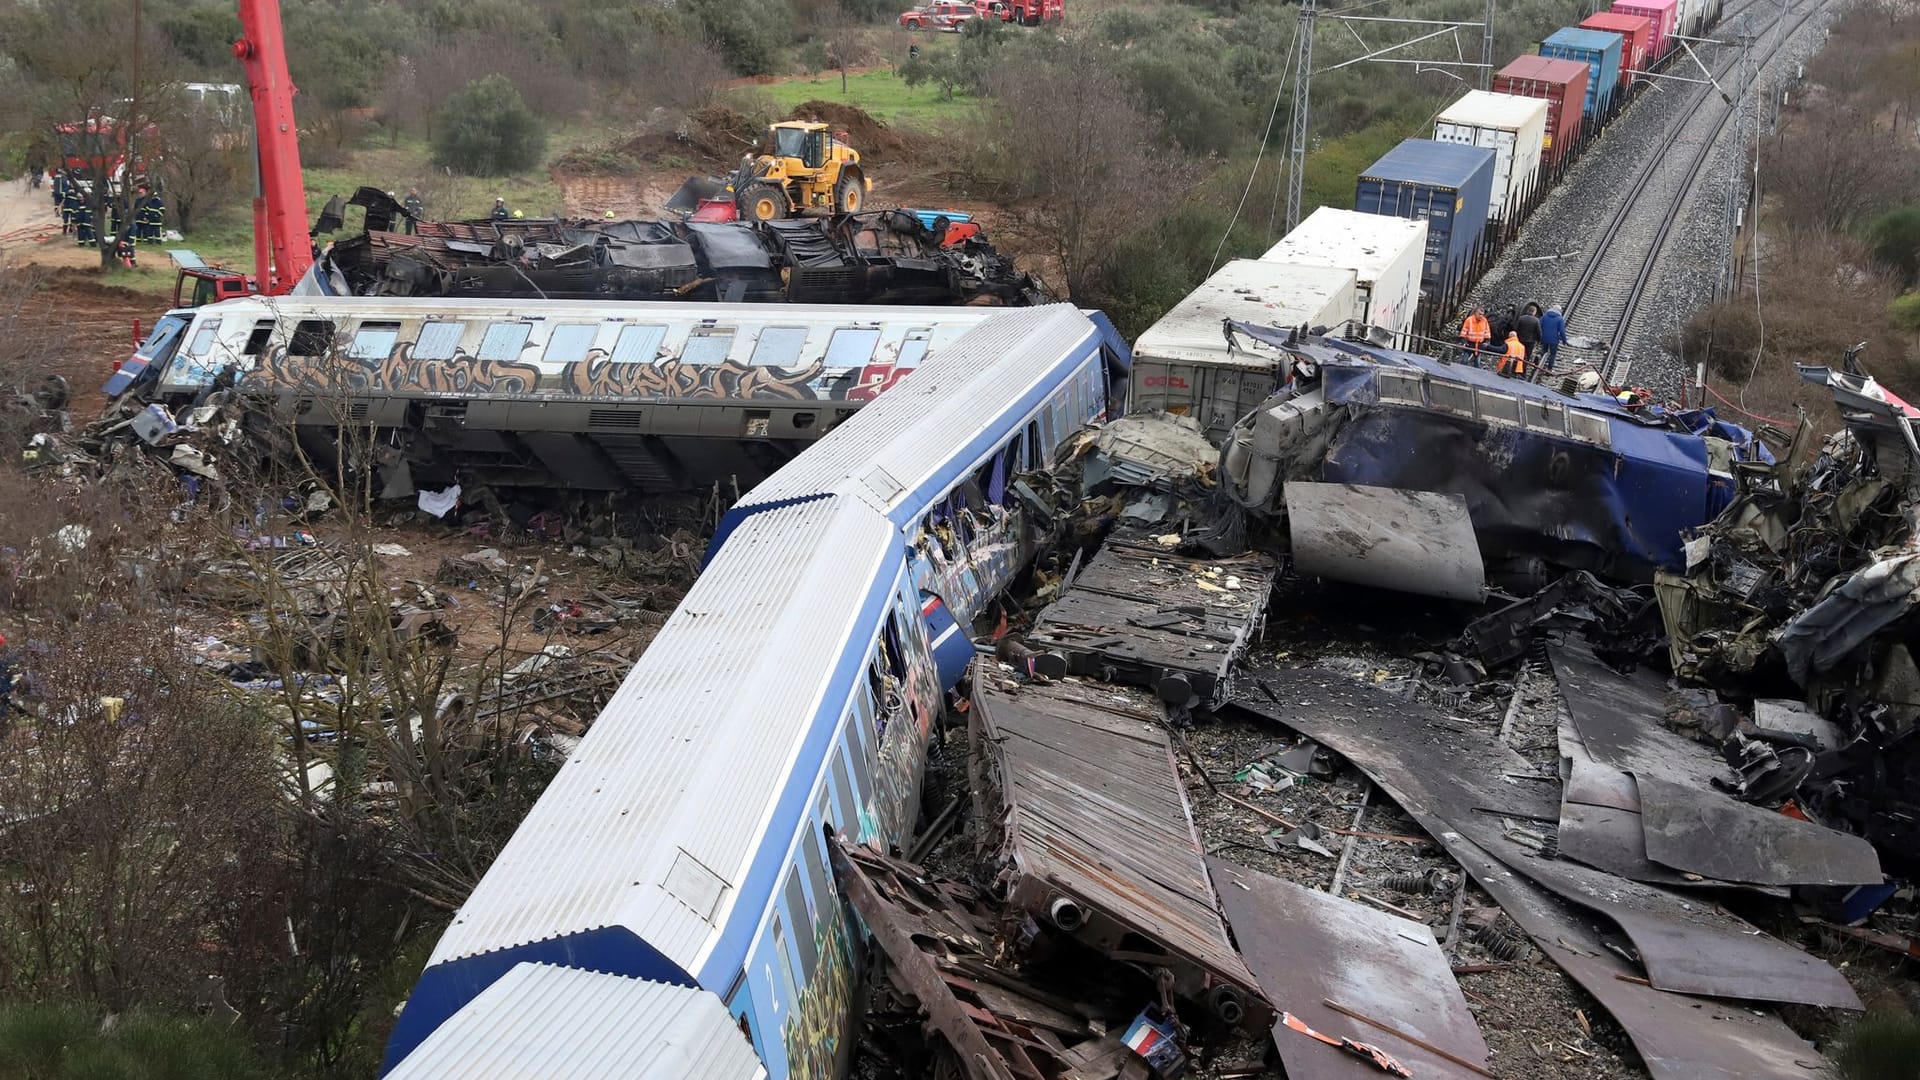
583	395
677	865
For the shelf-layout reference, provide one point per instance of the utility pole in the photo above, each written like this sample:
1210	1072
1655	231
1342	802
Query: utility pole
1302	111
1486	50
1424	30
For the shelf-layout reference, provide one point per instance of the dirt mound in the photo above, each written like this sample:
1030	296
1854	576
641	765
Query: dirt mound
711	139
875	140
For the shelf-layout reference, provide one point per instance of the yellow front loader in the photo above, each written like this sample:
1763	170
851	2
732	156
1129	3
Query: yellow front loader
805	166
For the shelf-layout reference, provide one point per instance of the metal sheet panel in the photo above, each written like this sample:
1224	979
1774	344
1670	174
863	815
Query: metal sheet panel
540	1021
1679	1037
1307	947
1452	779
1409	541
1706	832
1095	811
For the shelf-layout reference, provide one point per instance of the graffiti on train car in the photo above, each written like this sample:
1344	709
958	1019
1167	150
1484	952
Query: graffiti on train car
817	1028
597	376
966	575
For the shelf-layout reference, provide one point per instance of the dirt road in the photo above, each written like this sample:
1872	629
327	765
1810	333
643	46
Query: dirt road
30	230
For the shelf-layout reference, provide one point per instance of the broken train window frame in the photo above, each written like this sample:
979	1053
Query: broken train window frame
570	343
504	340
439	339
374	339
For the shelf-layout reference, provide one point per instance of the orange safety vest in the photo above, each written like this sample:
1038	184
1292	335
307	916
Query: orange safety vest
1515	362
1475	330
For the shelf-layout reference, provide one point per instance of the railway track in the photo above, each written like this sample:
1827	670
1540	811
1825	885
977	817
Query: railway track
1607	295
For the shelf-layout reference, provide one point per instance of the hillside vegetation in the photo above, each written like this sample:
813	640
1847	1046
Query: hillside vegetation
1187	89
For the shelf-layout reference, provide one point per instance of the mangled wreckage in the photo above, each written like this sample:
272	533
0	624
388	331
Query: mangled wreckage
879	257
1399	470
1626	823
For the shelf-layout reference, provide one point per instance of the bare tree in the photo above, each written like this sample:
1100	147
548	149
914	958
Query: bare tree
1088	167
103	105
206	165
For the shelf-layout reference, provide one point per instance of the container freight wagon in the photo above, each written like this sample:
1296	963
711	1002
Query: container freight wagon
1665	15
1515	129
1636	50
1447	185
1600	51
1384	253
1182	363
1555	82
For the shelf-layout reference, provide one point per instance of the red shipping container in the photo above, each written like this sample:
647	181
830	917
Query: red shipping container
1637	30
1665	15
1559	82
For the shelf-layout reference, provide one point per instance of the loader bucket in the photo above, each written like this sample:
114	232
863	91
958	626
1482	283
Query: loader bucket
721	208
696	191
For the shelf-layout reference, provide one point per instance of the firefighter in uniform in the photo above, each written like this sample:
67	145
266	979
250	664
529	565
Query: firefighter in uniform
150	216
83	222
414	207
69	203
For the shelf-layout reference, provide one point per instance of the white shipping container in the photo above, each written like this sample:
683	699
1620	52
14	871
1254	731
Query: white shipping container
1513	127
1181	364
1383	252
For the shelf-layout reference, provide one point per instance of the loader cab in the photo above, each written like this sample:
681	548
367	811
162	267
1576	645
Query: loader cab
806	142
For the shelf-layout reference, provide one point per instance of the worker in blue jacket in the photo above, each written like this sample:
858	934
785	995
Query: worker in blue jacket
1553	331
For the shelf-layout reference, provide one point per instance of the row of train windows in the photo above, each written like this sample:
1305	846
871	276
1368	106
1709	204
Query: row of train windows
567	343
796	929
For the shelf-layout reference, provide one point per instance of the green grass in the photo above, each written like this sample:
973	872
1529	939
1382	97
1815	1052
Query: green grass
881	93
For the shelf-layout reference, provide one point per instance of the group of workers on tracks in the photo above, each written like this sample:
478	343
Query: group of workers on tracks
1517	340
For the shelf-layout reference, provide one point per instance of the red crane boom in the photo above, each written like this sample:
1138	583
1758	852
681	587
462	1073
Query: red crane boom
282	250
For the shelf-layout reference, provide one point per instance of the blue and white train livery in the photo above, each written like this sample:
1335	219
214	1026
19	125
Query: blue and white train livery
679	859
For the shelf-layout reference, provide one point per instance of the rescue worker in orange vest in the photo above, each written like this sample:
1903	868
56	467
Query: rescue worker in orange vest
1514	364
1474	333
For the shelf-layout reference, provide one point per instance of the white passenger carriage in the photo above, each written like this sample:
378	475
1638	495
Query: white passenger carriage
791	694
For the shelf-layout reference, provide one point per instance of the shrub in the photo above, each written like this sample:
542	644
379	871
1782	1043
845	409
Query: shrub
486	130
39	1039
1905	311
1880	1046
1896	241
749	33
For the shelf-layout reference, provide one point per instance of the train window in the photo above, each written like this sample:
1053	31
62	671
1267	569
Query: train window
813	857
862	782
852	346
843	798
779	346
504	341
1035	456
570	342
311	337
258	338
1547	416
914	349
202	341
638	344
707	347
784	959
1497	406
798	908
374	340
439	341
896	660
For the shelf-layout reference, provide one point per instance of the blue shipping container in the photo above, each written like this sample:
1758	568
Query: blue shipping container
1448	185
1597	49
